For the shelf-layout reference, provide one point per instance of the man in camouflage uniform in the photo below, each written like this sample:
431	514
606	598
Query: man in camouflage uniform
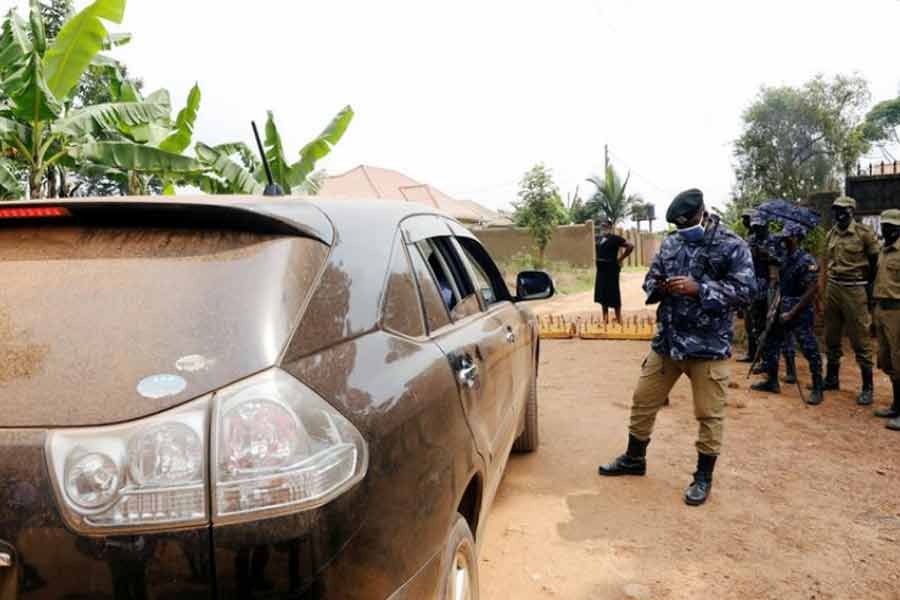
768	256
799	282
852	254
887	311
701	275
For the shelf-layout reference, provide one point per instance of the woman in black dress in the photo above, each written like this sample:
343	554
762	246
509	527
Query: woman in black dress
609	263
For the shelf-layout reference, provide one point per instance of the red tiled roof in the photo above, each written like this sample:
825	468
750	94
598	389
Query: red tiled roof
375	182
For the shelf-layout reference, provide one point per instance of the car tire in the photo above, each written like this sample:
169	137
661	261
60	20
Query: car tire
459	580
528	439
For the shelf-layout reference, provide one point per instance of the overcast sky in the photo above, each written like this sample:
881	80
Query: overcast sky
467	95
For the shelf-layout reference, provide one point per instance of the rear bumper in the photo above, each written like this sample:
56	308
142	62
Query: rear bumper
315	554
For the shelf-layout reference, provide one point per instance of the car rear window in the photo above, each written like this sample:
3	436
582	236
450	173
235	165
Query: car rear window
87	312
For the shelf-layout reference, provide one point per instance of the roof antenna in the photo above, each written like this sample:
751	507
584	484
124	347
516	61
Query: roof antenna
272	189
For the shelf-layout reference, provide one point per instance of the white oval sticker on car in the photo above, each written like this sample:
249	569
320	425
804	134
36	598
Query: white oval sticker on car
161	385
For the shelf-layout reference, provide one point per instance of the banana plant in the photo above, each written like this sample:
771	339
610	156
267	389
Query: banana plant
41	130
236	170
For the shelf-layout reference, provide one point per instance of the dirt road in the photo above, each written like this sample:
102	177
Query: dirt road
805	504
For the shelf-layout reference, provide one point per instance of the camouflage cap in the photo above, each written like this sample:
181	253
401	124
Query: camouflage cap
891	217
844	202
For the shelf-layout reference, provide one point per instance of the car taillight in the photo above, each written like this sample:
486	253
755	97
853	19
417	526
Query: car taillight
141	475
278	448
33	212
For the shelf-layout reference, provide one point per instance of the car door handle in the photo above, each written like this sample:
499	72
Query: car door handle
467	374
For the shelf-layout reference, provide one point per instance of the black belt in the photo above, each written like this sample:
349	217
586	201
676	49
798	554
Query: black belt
889	303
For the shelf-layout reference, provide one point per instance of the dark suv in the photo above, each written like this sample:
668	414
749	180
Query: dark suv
253	397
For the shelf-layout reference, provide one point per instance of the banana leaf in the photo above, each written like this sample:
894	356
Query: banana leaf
79	40
10	186
38	35
14	43
138	158
319	147
32	99
179	140
248	156
275	155
238	179
10	128
107	117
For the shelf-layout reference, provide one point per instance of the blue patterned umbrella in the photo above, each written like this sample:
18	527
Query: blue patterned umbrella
797	220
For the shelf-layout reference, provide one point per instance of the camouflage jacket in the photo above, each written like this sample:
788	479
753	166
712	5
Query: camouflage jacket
701	327
800	270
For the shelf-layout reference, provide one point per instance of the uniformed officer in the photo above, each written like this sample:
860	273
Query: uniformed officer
768	256
799	283
701	275
887	311
852	254
750	324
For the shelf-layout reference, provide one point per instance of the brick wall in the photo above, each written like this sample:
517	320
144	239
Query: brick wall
573	244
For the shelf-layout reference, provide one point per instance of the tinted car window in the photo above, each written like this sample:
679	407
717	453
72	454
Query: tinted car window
436	312
488	279
402	310
468	305
440	272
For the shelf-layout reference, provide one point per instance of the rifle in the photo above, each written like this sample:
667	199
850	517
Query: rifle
773	316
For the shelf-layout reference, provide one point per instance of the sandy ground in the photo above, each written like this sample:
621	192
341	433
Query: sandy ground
805	504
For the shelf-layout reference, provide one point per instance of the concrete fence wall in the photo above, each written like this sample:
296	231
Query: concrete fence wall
573	244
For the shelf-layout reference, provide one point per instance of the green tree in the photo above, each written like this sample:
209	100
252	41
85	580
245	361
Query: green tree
796	141
882	125
44	131
611	201
539	208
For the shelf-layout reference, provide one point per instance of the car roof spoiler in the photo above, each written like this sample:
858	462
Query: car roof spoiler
264	216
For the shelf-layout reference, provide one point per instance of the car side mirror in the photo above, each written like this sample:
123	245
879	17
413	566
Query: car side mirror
534	285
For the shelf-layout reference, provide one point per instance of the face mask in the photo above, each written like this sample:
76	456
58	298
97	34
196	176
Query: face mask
692	234
891	234
843	218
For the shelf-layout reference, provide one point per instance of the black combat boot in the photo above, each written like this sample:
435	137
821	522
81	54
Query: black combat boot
817	389
867	395
697	493
791	365
769	384
833	376
633	462
894	411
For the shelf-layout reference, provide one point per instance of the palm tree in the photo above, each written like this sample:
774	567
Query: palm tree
610	200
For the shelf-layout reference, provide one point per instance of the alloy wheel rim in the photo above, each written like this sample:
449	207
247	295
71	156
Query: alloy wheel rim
460	577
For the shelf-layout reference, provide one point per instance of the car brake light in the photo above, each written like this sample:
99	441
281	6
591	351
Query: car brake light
33	212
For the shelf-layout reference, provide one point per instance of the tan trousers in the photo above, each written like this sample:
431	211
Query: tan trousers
887	325
848	306
709	379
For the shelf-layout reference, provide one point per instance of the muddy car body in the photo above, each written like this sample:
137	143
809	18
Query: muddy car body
253	397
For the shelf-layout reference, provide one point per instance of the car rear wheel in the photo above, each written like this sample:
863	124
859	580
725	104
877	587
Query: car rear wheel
460	580
528	439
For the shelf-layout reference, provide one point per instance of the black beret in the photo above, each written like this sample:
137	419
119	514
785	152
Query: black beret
684	206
